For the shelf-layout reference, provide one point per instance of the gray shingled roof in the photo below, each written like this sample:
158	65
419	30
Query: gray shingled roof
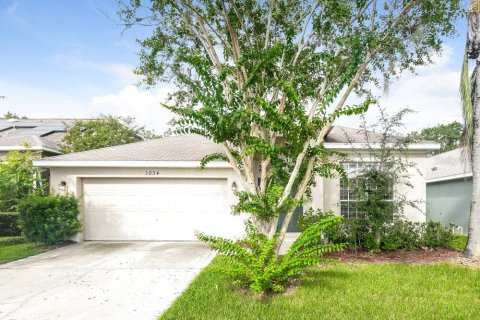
33	141
186	148
339	134
176	148
448	164
17	132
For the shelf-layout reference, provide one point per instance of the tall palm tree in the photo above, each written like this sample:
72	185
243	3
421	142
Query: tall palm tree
470	93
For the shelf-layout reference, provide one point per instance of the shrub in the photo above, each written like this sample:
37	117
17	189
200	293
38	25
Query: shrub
9	225
350	232
402	235
10	241
254	264
398	235
18	179
436	235
312	216
50	219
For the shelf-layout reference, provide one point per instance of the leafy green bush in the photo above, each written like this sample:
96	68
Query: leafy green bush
18	179
402	234
312	216
352	232
254	264
10	241
436	235
399	235
50	219
9	225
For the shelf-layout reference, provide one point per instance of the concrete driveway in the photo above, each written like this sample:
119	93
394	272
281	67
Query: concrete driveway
99	280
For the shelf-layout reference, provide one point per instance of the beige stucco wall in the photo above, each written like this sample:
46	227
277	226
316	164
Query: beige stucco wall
326	195
73	178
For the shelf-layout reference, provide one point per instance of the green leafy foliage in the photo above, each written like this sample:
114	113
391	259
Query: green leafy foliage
252	261
49	219
265	205
437	235
107	131
373	195
312	216
448	135
18	179
10	241
402	235
397	235
9	224
212	157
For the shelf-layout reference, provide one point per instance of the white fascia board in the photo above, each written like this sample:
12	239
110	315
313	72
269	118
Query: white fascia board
23	148
453	177
364	146
126	164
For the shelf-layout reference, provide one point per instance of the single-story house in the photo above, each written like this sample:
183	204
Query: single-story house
155	190
449	189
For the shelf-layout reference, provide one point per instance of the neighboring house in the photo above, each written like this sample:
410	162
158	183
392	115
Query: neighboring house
41	135
449	189
154	190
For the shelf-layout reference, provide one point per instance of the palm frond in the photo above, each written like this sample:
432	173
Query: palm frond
467	94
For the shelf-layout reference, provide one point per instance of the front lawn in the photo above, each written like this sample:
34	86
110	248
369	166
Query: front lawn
373	291
14	248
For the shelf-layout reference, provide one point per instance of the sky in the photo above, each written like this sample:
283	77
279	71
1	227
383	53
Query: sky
73	59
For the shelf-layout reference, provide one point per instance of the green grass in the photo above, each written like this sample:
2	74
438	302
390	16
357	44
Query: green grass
379	291
459	242
14	248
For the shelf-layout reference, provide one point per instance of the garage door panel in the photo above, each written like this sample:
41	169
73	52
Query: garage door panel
157	209
99	204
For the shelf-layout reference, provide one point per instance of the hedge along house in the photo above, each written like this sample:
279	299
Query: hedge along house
155	190
449	189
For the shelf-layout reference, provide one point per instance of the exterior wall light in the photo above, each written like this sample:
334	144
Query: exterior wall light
62	186
234	186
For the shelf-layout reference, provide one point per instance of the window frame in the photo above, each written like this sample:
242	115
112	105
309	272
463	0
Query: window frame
347	196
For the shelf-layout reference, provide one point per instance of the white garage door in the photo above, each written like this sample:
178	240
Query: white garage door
157	209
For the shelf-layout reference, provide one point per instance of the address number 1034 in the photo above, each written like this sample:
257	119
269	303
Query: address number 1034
152	172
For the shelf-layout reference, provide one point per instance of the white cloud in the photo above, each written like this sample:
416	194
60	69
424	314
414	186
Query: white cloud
121	73
143	105
432	93
38	102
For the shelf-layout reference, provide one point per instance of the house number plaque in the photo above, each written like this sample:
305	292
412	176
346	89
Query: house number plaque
152	172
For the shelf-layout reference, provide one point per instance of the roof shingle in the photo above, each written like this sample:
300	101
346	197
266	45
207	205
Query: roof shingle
175	148
448	164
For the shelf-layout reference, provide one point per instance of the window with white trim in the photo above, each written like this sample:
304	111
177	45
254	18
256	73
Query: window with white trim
348	189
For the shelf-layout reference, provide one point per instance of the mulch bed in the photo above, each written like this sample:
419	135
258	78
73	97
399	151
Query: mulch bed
420	256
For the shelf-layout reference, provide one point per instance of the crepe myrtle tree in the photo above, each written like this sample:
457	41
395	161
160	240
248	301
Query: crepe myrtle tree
267	79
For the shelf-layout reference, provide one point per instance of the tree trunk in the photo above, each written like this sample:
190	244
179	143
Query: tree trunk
473	245
267	227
